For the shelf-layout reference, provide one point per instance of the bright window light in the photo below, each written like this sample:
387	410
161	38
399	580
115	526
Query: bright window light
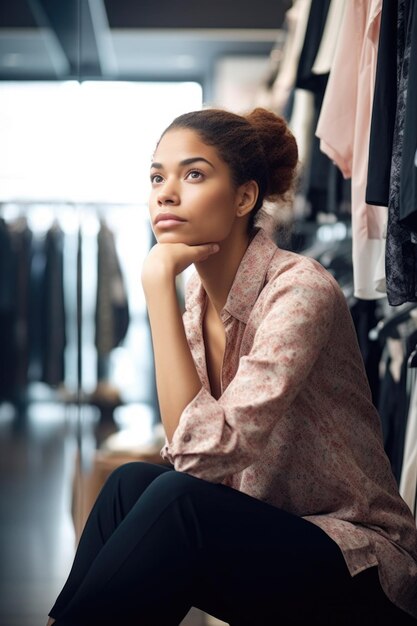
89	142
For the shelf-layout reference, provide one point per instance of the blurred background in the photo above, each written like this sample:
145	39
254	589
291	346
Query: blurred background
86	88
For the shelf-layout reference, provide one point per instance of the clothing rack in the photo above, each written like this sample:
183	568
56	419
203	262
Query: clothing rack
387	326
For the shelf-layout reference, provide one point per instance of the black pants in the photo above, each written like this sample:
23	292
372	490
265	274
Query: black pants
158	542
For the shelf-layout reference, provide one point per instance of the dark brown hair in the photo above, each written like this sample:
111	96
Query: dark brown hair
258	146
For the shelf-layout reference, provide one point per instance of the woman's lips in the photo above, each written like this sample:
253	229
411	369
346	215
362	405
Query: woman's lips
168	220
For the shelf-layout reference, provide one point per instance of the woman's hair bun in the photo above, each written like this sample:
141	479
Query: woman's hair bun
280	149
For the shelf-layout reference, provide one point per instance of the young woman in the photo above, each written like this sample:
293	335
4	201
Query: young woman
281	507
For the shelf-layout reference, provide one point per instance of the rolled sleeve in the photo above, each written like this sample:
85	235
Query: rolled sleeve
217	438
197	432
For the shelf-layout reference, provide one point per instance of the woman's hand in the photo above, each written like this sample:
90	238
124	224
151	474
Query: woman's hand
170	345
170	259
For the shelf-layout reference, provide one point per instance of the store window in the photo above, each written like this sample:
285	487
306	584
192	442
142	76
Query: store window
74	183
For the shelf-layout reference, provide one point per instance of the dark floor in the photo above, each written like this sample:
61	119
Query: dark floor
37	460
36	533
38	452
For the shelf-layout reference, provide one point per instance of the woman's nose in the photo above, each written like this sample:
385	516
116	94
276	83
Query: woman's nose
168	195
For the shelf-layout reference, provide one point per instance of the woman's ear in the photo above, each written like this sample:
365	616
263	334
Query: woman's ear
247	197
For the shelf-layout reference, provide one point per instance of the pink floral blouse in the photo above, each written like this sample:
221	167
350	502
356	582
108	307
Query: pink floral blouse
295	425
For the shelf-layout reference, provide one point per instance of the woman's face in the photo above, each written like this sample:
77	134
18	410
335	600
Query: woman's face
190	181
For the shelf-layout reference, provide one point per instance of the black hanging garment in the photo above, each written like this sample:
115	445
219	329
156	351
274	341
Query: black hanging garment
401	251
408	176
326	188
7	315
36	290
394	404
21	237
383	108
112	309
364	315
53	321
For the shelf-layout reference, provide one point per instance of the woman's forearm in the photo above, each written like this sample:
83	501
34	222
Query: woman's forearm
177	380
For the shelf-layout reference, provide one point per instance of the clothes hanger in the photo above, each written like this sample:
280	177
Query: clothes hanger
387	326
412	359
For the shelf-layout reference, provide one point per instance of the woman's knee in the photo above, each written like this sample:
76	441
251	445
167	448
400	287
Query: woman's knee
176	484
133	478
135	470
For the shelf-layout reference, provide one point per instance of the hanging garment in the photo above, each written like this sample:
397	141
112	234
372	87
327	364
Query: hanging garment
401	251
317	169
7	266
53	322
21	238
320	174
343	129
408	483
380	279
408	175
7	314
325	54
36	299
112	310
394	401
364	315
301	124
305	78
383	108
296	19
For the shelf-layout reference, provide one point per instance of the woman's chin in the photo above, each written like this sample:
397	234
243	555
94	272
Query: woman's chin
176	237
173	237
170	238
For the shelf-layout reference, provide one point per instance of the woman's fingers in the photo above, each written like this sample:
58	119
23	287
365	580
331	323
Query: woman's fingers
183	255
172	258
203	251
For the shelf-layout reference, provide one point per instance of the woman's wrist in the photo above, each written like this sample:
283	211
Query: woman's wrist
160	280
161	296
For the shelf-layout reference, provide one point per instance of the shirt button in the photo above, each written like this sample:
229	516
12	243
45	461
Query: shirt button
186	438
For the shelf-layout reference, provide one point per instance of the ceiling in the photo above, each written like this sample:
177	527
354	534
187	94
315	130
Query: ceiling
133	39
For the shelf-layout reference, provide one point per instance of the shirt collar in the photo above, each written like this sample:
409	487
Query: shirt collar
248	281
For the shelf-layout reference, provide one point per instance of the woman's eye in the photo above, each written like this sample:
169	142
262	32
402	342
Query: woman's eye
195	175
156	178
